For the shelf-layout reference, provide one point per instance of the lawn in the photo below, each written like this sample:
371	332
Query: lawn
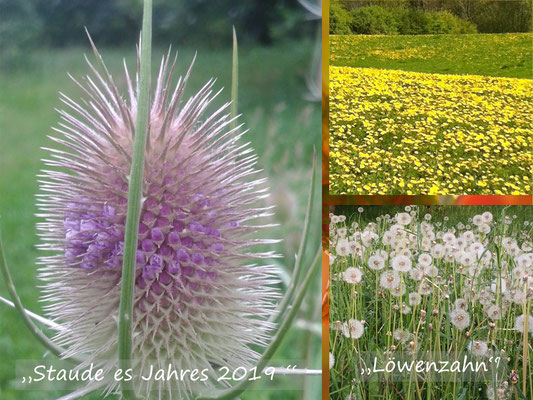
283	130
460	124
430	283
504	55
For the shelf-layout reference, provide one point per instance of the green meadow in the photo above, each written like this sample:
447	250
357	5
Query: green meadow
504	55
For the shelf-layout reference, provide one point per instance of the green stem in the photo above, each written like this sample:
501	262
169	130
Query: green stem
303	244
134	202
41	337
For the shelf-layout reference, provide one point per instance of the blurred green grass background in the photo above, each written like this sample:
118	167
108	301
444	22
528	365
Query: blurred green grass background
283	130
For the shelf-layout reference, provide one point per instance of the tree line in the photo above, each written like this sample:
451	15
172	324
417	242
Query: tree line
430	16
28	24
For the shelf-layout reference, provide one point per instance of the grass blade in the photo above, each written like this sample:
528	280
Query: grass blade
234	81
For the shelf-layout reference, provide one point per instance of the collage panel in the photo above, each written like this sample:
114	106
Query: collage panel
430	302
430	97
159	207
427	115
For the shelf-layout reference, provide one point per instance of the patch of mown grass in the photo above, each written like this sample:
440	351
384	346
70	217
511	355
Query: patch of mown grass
503	55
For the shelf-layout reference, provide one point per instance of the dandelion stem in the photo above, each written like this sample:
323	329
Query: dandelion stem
134	202
525	350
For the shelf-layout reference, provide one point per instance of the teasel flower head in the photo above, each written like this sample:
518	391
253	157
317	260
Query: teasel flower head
202	296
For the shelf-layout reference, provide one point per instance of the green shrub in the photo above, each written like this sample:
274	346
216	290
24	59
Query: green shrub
445	22
340	20
412	22
465	26
373	20
376	20
502	16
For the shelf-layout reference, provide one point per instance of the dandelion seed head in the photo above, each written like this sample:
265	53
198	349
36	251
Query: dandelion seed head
501	393
519	273
353	329
403	218
493	312
398	290
448	237
487	217
518	297
425	259
429	270
389	279
468	236
343	247
477	220
406	309
475	270
520	321
477	248
524	261
460	318
468	258
461	304
341	232
416	274
425	288
478	348
401	263
367	237
414	299
402	335
352	275
376	262
355	248
508	243
484	228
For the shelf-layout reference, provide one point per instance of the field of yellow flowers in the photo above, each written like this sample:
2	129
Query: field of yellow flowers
400	132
